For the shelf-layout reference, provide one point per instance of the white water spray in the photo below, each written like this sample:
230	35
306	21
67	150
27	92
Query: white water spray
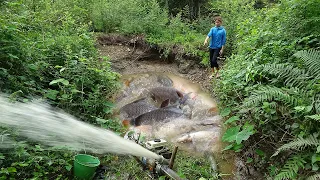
39	122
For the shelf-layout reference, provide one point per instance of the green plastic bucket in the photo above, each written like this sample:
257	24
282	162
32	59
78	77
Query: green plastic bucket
85	166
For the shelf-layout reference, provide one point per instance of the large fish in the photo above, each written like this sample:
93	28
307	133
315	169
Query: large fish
160	94
203	140
156	116
136	108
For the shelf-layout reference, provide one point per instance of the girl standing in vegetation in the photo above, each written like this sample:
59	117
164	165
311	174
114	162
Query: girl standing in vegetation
217	42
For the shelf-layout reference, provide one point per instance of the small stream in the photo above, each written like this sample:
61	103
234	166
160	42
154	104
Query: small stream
197	130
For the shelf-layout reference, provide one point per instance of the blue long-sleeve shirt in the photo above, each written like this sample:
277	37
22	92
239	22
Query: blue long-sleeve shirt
218	37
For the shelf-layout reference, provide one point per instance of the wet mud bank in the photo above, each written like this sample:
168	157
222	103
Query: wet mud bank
132	54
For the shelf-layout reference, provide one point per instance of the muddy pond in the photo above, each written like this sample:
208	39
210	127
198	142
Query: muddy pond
167	106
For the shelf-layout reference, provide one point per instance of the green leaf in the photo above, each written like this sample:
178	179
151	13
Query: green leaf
248	127
232	119
52	94
249	160
56	81
65	96
228	147
243	135
101	121
260	152
68	167
23	164
318	149
38	148
315	117
12	170
2	156
13	56
62	69
65	82
237	147
231	134
315	167
225	112
295	125
315	158
299	108
76	91
308	109
109	104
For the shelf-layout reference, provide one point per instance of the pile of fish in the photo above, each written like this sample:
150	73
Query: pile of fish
151	103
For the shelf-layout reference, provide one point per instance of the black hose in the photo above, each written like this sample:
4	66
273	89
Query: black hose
170	172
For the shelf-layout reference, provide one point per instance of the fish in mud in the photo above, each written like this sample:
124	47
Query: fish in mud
182	125
203	140
200	136
160	94
136	108
156	116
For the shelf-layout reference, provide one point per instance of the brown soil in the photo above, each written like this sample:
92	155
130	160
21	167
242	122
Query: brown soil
131	55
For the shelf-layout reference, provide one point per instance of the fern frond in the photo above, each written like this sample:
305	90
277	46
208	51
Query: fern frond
270	93
299	144
311	59
292	76
317	104
314	177
291	168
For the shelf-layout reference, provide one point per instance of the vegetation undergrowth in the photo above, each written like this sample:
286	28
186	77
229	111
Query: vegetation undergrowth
170	35
47	52
270	87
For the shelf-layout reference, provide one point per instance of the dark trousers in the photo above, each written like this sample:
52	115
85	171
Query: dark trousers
214	57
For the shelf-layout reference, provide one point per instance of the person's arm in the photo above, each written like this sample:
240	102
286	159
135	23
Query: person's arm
221	51
224	39
206	40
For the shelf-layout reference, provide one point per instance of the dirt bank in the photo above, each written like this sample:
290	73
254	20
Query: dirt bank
130	55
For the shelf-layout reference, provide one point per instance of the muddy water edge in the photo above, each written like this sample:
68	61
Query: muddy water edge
128	58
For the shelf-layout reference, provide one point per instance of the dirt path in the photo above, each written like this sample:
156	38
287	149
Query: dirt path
126	60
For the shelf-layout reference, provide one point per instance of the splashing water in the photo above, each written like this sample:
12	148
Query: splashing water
40	122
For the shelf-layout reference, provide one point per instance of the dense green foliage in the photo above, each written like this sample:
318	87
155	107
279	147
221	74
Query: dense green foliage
48	52
270	85
149	19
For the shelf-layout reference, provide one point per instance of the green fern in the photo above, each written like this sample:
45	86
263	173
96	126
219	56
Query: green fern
311	59
299	144
292	97
291	168
314	177
317	104
292	76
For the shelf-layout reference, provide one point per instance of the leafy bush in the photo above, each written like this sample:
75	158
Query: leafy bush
48	52
271	86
